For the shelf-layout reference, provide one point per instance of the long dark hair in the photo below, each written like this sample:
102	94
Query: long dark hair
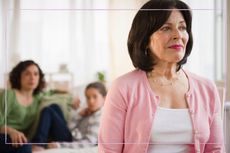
15	75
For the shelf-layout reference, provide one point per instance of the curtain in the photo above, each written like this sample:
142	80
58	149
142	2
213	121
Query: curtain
3	53
87	37
60	33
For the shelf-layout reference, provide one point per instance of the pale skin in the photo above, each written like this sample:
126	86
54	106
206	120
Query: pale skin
29	82
172	33
95	101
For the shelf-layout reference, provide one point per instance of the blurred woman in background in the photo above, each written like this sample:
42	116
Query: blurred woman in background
19	106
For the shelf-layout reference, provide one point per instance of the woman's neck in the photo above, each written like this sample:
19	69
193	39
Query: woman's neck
24	97
167	71
25	93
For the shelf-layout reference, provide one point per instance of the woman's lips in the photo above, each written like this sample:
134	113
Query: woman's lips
176	47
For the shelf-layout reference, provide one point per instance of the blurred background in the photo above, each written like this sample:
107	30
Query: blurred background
84	37
79	41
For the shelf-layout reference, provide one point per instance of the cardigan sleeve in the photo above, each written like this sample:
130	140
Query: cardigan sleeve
216	138
111	131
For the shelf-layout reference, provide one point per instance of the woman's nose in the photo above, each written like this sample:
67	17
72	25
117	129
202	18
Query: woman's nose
32	77
91	101
177	34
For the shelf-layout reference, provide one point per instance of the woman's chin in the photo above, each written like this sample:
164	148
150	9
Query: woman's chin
178	58
31	88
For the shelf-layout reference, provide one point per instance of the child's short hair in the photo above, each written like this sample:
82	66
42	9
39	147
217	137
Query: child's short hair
99	86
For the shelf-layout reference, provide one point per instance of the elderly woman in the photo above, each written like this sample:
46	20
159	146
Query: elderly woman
19	105
159	107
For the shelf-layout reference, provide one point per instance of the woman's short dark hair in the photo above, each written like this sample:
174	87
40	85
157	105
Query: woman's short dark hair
15	75
148	20
99	86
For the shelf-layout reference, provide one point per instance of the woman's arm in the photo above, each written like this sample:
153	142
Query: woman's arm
216	139
111	132
15	135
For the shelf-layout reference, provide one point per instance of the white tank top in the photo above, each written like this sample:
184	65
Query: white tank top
171	131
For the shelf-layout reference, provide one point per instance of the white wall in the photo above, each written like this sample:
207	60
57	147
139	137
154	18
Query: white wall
2	41
228	51
119	25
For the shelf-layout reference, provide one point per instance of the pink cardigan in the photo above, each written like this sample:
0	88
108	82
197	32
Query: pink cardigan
130	108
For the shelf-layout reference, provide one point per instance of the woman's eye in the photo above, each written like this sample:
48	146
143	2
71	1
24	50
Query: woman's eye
26	73
183	28
165	28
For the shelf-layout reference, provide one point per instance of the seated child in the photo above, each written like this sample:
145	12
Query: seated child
84	133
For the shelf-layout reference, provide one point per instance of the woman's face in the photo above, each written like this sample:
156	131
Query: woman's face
30	78
94	99
168	43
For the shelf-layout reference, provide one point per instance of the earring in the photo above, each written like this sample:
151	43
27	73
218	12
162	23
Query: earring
146	52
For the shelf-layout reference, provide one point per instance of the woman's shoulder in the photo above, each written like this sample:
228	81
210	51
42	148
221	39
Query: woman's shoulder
131	77
8	95
128	84
8	92
198	81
